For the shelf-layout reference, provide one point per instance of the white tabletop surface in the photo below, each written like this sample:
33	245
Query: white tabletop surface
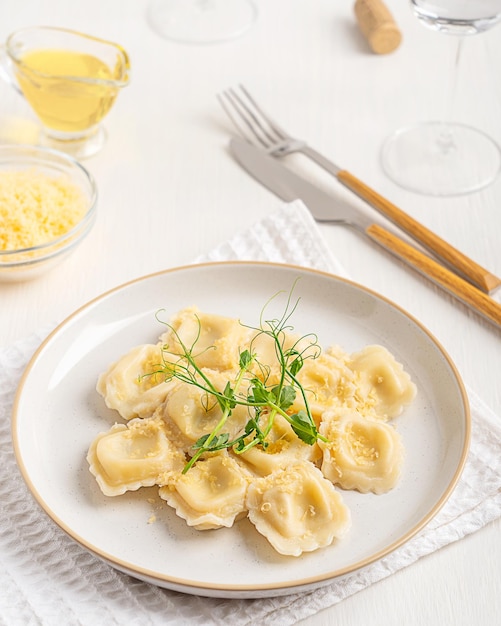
169	191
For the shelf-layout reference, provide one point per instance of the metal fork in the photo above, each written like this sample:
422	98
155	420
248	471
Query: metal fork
257	127
266	133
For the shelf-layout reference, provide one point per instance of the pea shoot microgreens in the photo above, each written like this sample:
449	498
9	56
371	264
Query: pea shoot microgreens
264	401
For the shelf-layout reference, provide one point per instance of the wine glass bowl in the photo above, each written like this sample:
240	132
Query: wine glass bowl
446	158
201	21
458	17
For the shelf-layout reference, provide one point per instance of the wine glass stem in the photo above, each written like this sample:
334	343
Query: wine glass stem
446	138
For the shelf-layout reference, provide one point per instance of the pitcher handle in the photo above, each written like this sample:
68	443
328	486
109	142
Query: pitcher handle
6	70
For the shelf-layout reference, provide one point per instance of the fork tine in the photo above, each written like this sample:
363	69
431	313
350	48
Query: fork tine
231	110
250	113
282	135
248	117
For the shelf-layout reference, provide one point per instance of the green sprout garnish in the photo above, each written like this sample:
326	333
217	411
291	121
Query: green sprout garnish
263	401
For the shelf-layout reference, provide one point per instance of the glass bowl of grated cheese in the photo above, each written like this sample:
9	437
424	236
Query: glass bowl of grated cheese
47	207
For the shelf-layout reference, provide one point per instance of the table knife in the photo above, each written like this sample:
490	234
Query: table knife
291	186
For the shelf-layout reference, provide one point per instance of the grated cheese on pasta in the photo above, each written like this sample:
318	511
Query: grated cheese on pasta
36	208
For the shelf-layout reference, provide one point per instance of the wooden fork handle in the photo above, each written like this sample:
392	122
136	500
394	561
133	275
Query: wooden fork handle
453	258
452	283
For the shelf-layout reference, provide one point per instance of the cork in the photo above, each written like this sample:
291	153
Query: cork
377	26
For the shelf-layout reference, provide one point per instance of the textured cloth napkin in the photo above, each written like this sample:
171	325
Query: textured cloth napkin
48	579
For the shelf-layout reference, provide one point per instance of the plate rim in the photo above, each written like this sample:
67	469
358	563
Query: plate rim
240	590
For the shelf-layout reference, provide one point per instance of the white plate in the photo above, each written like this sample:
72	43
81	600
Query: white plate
58	413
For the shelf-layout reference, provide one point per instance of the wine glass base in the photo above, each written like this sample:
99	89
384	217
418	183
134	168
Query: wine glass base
78	147
201	21
441	159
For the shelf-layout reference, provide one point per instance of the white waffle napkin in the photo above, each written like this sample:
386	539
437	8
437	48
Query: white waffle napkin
47	579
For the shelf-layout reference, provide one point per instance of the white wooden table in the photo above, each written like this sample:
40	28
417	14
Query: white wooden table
169	191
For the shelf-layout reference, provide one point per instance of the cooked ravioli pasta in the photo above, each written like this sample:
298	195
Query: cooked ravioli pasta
189	413
297	509
216	338
362	453
386	379
131	456
266	351
210	495
129	387
329	382
174	398
284	449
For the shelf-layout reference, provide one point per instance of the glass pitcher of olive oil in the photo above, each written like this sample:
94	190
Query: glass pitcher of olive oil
71	81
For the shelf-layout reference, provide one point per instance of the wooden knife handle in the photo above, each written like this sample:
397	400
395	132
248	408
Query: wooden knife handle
456	286
473	272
